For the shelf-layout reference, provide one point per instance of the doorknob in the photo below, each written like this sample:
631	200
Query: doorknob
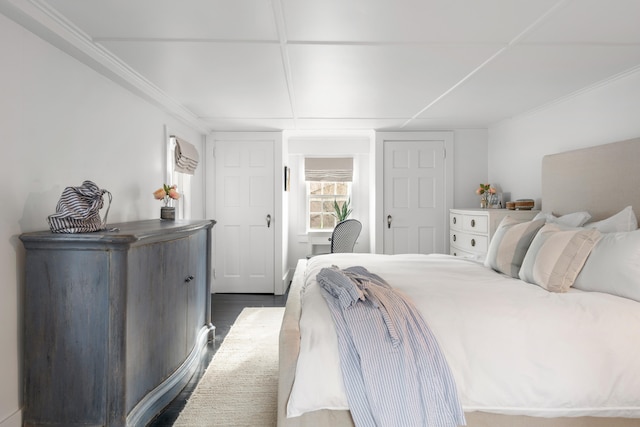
268	221
389	221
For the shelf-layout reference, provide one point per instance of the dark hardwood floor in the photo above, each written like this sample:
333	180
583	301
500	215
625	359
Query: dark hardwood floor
225	308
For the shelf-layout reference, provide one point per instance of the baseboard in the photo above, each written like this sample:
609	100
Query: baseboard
14	420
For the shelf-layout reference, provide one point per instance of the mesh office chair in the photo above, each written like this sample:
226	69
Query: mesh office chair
344	236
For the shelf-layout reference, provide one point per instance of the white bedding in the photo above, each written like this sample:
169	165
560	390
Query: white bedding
513	347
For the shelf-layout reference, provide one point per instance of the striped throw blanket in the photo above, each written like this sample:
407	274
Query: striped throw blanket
394	372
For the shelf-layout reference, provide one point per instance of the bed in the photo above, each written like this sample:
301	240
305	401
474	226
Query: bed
547	350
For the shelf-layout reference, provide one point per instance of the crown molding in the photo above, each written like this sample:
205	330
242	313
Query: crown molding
41	19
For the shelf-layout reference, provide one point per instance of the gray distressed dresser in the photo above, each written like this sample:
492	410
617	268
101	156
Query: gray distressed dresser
114	321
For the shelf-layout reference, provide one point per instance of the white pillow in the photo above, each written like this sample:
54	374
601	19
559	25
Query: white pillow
556	256
613	266
625	220
575	219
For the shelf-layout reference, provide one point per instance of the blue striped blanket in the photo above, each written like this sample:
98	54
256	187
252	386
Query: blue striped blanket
394	372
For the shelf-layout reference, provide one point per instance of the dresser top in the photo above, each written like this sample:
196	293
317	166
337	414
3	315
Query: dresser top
489	210
123	233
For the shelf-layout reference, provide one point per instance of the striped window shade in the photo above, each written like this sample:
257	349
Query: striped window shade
331	169
186	157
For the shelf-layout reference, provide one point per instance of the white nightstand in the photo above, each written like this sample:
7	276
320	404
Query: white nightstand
471	230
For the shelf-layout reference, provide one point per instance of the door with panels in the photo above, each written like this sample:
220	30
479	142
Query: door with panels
244	194
415	198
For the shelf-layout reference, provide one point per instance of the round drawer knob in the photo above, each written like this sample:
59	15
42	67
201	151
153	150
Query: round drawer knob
454	237
473	222
473	242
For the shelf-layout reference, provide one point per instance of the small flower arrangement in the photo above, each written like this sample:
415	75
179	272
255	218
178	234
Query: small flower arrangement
166	193
485	191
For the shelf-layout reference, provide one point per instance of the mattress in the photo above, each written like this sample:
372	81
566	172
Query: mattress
513	347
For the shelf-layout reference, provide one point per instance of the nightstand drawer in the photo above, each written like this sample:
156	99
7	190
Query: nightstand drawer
469	242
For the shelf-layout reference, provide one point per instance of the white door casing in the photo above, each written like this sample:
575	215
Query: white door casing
245	228
416	192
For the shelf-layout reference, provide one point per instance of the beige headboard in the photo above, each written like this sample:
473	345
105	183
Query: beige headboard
601	180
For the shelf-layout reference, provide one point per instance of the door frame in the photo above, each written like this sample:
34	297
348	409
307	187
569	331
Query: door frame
280	270
447	137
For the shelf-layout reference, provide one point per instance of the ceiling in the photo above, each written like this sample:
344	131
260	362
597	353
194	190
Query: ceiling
349	64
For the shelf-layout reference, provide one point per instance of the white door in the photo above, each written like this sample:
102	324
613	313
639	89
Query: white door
245	216
414	197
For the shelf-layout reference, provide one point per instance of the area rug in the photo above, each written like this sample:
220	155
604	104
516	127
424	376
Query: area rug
240	385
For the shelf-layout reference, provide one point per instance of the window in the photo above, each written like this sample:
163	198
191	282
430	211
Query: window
321	196
179	176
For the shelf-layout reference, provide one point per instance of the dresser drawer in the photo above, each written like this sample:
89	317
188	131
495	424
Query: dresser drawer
476	223
457	252
469	242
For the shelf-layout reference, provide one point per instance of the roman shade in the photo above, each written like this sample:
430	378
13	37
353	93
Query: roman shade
186	156
338	169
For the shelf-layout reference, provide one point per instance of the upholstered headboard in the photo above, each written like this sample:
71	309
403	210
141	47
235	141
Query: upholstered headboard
601	180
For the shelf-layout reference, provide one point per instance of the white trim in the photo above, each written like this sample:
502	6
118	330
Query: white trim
41	19
13	420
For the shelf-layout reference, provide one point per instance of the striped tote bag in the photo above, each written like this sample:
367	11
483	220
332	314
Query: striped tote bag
78	210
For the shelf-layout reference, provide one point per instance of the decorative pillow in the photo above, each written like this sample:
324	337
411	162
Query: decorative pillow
575	219
509	245
556	256
625	220
613	266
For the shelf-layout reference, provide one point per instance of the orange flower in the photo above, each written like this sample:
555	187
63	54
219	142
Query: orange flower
159	194
173	194
165	193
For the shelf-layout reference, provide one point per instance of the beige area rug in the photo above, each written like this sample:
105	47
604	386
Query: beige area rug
240	385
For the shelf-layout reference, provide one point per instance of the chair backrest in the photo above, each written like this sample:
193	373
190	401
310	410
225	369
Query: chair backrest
345	235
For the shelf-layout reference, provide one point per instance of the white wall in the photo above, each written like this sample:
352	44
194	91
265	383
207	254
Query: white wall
607	113
469	166
63	123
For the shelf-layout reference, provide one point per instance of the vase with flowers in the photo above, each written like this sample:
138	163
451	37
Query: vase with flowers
167	194
486	192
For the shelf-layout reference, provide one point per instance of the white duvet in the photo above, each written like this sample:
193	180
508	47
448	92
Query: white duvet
513	347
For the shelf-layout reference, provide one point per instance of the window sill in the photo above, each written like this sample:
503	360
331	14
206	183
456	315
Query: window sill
315	237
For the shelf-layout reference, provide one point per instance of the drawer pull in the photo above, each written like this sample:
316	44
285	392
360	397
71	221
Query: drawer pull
455	254
454	237
473	242
455	220
473	222
189	278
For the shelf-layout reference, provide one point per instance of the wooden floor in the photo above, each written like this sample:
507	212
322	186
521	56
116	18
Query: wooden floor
225	308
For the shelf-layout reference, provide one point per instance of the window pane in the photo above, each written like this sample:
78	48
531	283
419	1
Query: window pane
329	221
315	206
328	188
327	206
342	189
315	221
315	187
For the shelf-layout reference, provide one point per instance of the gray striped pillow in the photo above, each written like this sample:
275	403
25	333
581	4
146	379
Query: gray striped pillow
556	256
509	245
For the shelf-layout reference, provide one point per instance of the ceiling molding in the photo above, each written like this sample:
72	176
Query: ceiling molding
38	17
